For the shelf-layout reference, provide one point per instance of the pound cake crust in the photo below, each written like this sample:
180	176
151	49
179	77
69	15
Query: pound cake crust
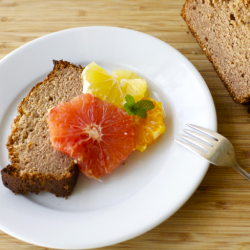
22	185
222	29
35	164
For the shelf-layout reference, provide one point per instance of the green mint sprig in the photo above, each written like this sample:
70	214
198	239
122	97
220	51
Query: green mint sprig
140	108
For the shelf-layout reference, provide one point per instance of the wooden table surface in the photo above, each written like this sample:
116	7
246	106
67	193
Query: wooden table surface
217	216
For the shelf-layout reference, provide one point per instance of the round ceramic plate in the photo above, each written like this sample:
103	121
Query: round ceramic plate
136	196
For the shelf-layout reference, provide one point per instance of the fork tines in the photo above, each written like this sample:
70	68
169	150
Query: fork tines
206	131
204	143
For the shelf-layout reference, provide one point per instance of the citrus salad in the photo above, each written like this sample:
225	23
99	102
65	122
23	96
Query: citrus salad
112	118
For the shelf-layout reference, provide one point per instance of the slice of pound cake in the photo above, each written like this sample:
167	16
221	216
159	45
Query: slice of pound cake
35	164
222	29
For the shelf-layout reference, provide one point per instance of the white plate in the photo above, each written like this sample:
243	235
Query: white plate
151	186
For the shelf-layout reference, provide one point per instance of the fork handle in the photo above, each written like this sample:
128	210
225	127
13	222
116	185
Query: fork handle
240	170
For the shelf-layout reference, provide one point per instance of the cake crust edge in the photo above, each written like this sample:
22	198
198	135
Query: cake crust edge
23	184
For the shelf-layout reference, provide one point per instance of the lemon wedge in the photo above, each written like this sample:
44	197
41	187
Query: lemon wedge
113	87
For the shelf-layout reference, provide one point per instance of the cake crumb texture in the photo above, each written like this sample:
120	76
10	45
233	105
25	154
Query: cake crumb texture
35	164
222	29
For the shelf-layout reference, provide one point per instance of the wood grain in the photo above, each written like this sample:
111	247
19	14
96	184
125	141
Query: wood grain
217	216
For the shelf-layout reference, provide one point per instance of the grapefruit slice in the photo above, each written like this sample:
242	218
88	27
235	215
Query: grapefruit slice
97	134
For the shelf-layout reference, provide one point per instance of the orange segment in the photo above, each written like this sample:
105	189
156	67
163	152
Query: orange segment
149	129
97	134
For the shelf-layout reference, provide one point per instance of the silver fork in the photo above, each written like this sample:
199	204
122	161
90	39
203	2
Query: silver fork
218	150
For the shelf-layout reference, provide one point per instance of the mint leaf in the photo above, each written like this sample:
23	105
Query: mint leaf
140	108
128	109
140	112
130	100
136	106
146	104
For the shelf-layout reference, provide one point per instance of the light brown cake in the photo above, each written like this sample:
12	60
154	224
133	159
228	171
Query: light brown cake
222	29
35	164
